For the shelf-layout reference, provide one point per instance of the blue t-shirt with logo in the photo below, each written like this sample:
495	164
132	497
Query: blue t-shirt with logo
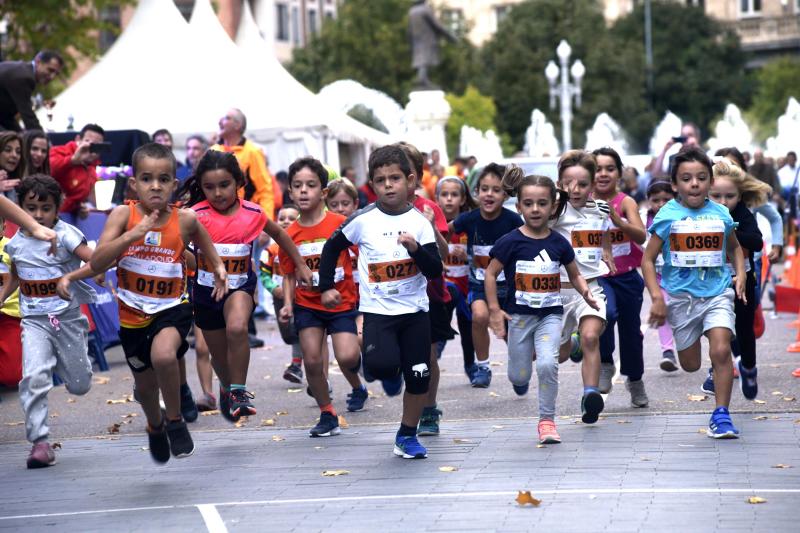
532	272
482	234
694	249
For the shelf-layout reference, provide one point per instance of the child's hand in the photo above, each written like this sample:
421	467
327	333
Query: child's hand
428	212
459	253
331	298
589	298
277	292
46	234
497	323
62	288
774	253
608	259
285	314
408	242
220	282
658	313
147	223
304	274
615	218
739	287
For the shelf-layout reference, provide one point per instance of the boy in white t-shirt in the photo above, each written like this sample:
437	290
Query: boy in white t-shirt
397	252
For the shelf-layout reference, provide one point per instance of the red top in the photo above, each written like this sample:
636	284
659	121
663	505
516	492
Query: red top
309	241
371	196
77	181
437	290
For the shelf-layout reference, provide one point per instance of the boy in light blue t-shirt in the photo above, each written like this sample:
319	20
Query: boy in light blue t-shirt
694	235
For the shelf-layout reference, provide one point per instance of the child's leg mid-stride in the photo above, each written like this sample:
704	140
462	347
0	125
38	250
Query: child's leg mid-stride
311	339
48	344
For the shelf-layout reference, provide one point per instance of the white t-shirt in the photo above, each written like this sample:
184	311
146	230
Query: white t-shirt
786	175
584	229
390	282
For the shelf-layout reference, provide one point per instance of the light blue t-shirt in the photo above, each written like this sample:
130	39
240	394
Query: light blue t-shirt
700	281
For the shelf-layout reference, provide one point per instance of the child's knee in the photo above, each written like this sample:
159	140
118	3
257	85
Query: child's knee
480	317
546	366
79	386
418	378
236	329
382	367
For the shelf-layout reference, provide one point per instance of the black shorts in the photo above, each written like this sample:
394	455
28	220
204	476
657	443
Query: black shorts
208	313
331	322
137	342
399	344
440	322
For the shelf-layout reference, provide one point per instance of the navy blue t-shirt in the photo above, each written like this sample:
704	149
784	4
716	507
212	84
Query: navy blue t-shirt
482	234
532	268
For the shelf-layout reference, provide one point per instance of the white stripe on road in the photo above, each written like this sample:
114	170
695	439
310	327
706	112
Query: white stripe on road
419	496
211	517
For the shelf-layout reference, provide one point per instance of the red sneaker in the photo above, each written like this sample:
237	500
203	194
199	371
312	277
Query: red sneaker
796	372
548	433
41	456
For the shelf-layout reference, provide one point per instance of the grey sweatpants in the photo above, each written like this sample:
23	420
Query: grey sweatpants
526	332
61	344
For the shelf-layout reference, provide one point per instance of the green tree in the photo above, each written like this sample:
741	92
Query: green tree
698	65
71	27
470	109
775	83
515	59
368	42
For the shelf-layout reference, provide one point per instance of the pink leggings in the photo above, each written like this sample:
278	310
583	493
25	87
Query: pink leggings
665	330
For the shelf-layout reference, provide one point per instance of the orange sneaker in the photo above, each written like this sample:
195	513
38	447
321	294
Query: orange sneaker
796	372
548	433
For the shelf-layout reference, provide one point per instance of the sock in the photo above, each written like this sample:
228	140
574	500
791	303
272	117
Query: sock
587	390
360	387
429	408
235	386
406	431
296	361
328	409
179	419
484	364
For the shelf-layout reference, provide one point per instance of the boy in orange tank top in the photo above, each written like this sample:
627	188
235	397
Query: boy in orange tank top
147	239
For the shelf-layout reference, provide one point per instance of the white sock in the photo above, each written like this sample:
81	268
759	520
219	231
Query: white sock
484	364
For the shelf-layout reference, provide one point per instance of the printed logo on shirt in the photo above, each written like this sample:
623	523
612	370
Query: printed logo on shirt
153	238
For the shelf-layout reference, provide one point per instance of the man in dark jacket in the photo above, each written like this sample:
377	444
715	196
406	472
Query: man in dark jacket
18	80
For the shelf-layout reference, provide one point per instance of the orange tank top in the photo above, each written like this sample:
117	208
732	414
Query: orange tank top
151	272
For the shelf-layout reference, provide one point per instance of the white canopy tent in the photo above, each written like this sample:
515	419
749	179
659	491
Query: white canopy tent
136	85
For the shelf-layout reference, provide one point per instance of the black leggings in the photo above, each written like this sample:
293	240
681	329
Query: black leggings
744	344
399	344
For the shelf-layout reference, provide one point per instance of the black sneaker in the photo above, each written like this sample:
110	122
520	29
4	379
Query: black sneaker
188	407
240	403
180	442
591	406
159	444
225	405
327	426
255	342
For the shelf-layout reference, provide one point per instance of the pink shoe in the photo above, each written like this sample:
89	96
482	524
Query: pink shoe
548	433
41	455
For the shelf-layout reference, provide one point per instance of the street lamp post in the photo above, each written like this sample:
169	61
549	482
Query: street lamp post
565	90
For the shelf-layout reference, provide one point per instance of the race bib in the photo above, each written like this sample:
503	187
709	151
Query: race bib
587	239
620	242
697	243
537	284
37	290
311	252
480	261
456	267
393	273
235	257
149	286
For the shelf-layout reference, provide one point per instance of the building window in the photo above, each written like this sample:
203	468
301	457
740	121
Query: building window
295	25
109	15
453	20
749	7
312	21
281	22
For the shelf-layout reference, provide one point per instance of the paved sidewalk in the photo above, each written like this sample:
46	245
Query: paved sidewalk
626	473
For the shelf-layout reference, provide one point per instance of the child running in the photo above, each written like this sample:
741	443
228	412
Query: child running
54	331
531	258
659	192
233	225
397	251
694	234
147	239
624	289
584	223
740	192
454	199
272	280
483	227
312	319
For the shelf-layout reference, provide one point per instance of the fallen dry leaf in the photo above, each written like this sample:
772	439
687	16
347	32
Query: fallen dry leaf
762	417
70	400
113	428
277	438
56	445
448	469
623	421
697	397
777	393
267	421
760	402
703	431
54	415
115	402
319	447
334	473
130	415
461	441
267	377
495	363
498	427
524	497
292	391
564	417
100	380
646	459
209	413
781	465
756	499
144	449
494	394
343	422
371	394
14	423
281	413
669	401
789	398
127	378
241	422
541	446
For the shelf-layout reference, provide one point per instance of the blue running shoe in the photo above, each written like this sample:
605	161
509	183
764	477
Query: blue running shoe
470	371
482	378
591	406
521	390
721	426
409	448
357	399
747	380
576	354
708	384
393	386
328	426
429	422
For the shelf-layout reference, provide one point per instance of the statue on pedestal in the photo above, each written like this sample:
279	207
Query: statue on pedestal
424	32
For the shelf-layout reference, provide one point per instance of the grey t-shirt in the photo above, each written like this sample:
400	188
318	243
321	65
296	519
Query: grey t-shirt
39	272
